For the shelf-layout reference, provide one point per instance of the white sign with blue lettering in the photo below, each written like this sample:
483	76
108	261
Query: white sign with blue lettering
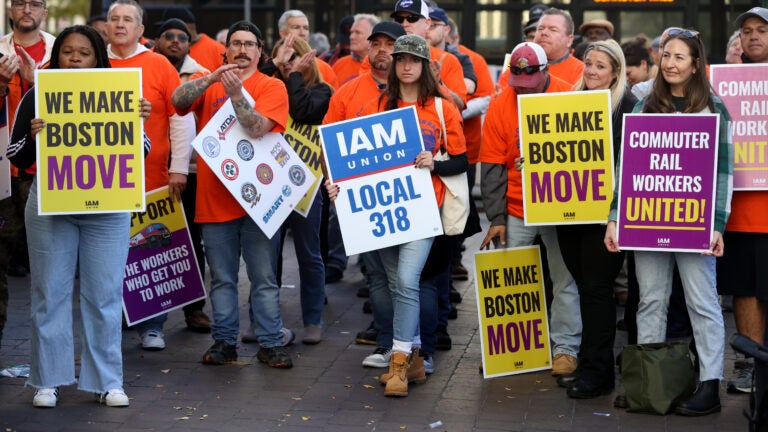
383	200
263	174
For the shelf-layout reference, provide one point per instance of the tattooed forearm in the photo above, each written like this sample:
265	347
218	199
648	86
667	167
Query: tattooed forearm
187	93
252	121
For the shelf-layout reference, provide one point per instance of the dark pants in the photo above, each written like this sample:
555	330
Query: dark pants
594	269
435	283
188	200
11	224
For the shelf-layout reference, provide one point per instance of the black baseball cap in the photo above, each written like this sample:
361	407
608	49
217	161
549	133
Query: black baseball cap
388	28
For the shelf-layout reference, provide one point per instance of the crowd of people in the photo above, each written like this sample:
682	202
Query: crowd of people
413	59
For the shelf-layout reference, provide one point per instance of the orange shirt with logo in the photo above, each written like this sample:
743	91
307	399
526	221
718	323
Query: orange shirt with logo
214	202
431	132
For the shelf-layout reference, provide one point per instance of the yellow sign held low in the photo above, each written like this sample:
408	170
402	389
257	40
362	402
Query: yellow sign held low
512	310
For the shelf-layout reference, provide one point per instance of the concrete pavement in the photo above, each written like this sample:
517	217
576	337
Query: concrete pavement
327	389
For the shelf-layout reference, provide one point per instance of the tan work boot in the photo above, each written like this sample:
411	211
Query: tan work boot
563	364
397	384
416	372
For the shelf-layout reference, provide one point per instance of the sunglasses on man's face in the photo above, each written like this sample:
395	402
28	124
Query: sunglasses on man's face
409	18
528	70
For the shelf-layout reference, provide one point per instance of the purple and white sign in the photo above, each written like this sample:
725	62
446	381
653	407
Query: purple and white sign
742	90
161	273
667	188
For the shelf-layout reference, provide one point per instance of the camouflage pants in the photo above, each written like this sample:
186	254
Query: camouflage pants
11	222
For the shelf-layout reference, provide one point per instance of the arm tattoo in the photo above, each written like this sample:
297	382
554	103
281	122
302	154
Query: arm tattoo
189	91
249	118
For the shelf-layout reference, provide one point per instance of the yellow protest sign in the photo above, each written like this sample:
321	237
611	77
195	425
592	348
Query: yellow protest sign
90	155
305	140
565	139
512	310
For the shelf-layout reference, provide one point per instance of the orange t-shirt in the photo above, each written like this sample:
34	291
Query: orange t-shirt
749	212
569	70
431	131
208	52
329	76
473	126
346	68
501	140
158	81
214	202
348	102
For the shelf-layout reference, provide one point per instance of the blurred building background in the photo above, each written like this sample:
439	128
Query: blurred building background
491	27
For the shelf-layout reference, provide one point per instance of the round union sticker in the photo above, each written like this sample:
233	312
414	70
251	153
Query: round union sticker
229	169
245	150
297	175
249	193
264	174
211	146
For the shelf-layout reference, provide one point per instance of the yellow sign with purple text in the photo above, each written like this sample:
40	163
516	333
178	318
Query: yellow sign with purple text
512	310
90	154
565	140
305	140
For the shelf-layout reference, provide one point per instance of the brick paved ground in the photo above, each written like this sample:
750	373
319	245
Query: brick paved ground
327	389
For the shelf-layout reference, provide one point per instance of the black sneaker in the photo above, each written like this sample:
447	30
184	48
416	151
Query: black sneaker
333	275
220	353
367	336
443	342
275	357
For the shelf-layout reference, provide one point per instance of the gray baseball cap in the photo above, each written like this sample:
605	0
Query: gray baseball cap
757	12
413	45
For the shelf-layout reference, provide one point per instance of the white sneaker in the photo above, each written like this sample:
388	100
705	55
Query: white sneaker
45	398
114	398
152	340
288	336
379	358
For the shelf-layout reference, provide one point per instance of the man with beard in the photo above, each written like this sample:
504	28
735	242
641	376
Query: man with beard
228	231
21	51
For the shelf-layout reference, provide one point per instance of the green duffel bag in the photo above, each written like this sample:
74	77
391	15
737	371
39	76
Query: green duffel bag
657	376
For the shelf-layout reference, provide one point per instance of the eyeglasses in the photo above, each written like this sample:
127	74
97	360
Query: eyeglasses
239	44
528	70
674	31
33	5
181	37
410	18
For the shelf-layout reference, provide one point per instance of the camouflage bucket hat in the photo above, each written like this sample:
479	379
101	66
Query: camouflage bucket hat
413	45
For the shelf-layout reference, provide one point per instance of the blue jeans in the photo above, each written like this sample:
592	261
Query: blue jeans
224	242
306	241
155	324
406	261
56	243
564	314
380	289
697	272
